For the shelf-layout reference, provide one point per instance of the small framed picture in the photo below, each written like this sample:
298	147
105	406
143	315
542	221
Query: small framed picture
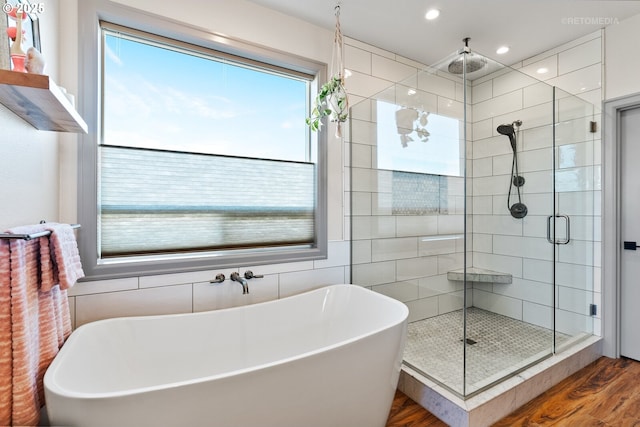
30	27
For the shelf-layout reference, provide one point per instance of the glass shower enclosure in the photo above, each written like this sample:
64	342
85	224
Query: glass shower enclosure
475	201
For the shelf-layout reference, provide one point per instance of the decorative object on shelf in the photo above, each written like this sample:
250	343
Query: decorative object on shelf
332	98
17	35
27	27
411	122
34	62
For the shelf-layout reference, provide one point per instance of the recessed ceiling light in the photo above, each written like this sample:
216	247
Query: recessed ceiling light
432	14
502	50
411	92
347	73
542	70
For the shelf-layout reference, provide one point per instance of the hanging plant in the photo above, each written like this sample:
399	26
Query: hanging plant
332	100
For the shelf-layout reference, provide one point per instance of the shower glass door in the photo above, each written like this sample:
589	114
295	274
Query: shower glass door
576	221
509	323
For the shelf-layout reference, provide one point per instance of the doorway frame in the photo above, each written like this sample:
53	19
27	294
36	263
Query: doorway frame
610	222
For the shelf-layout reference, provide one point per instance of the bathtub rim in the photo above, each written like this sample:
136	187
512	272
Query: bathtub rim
52	386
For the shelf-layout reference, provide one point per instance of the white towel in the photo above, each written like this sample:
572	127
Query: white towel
65	256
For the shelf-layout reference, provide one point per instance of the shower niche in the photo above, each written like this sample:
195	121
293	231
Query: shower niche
473	201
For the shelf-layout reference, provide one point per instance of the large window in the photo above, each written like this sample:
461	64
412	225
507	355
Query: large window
201	157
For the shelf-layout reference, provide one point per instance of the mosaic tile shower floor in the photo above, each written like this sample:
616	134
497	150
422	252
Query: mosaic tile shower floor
503	345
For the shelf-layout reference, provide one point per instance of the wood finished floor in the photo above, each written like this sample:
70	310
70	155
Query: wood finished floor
606	393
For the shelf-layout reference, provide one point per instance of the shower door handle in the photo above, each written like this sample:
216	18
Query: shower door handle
567	238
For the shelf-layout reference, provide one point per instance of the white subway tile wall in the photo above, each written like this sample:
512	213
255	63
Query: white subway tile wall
140	302
390	254
406	256
520	246
499	241
193	292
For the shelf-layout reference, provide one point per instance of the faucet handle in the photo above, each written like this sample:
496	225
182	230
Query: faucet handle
219	278
249	275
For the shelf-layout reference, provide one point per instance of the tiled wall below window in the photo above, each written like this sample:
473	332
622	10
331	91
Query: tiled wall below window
193	292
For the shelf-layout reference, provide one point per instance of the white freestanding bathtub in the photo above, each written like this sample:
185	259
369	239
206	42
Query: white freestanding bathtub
328	358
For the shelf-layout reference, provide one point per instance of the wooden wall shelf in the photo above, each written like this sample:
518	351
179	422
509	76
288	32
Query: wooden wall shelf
39	101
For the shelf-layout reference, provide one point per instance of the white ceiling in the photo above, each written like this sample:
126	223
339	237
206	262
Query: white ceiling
528	27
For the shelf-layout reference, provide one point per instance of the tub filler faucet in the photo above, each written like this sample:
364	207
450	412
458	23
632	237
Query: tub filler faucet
235	276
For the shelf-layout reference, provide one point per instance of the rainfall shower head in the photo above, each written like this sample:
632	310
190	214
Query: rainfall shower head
510	132
471	64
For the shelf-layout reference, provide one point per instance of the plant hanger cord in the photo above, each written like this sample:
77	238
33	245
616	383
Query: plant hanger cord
331	99
337	64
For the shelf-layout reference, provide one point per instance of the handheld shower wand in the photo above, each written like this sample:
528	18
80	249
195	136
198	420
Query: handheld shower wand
510	132
518	209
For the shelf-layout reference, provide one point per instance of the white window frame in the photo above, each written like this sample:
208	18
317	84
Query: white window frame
90	13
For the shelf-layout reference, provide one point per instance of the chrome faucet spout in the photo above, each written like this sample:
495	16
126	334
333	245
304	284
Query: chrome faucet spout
237	278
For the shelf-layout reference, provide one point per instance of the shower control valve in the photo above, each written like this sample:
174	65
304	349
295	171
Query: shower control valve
249	275
219	278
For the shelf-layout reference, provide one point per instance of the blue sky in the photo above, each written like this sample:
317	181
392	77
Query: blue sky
156	97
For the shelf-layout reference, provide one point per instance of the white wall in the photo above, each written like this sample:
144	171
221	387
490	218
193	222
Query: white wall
621	77
621	59
30	167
